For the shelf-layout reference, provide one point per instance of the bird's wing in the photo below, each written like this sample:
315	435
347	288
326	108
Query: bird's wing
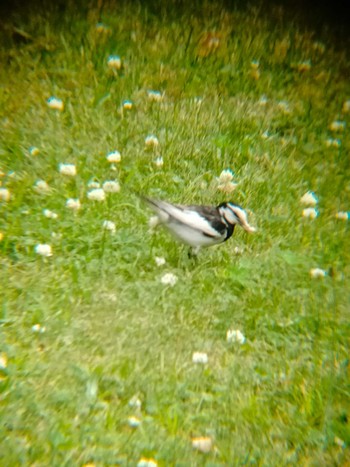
190	216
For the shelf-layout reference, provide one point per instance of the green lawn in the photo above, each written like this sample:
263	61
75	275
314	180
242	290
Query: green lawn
90	336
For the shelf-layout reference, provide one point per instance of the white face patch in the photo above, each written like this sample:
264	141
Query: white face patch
236	215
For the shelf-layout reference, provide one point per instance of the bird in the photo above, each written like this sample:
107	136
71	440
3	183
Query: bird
200	226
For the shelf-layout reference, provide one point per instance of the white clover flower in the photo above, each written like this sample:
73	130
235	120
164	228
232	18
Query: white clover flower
333	142
67	169
304	66
169	279
50	214
114	157
337	125
114	62
135	403
202	443
144	462
151	141
73	203
111	186
43	249
226	176
153	222
263	100
41	187
310	213
199	357
3	361
97	194
310	199
227	187
234	335
159	162
5	194
343	215
155	96
160	261
127	105
109	225
34	151
38	328
317	272
346	107
134	422
55	103
93	184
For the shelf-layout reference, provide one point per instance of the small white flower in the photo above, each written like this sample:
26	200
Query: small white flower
114	157
310	213
202	443
153	222
238	250
33	151
73	203
93	184
337	125
226	176
114	62
199	357
3	361
5	194
317	272
155	96
109	225
50	214
38	328
111	186
135	403
234	335
159	162
97	194
227	187
127	105
43	249
144	462
160	261
55	103
310	199
169	279
41	187
67	169
343	215
263	100
134	422
333	142
346	107
151	141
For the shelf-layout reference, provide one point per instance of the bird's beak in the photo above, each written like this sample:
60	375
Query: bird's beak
247	227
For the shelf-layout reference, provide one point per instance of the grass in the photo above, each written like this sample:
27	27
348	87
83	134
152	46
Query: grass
113	333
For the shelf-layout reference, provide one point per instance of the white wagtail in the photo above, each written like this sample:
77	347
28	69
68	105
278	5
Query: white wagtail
199	226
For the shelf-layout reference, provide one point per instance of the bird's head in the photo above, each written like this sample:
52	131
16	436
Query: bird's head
234	215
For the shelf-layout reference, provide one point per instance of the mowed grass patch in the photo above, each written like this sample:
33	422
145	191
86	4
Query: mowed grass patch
91	335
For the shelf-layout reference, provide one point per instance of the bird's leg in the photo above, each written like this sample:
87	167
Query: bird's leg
193	252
